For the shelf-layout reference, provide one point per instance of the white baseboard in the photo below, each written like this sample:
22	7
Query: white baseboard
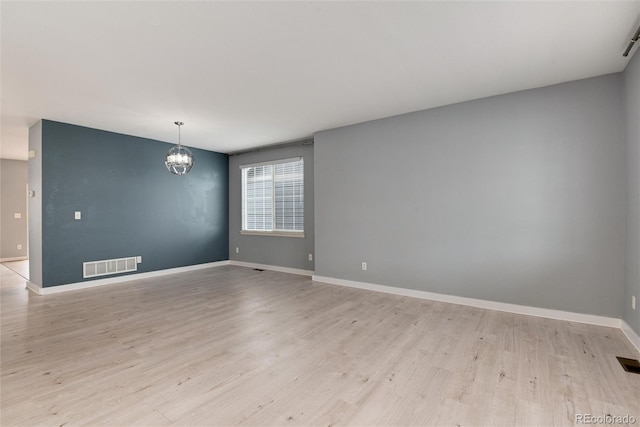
120	279
631	335
489	305
34	287
15	258
272	268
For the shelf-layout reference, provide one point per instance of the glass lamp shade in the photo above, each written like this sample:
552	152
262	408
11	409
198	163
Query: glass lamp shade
179	160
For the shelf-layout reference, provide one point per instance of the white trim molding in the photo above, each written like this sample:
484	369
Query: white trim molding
631	334
272	233
272	162
34	287
272	268
15	258
489	305
120	279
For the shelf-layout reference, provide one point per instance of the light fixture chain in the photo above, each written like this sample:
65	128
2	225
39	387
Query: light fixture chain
179	124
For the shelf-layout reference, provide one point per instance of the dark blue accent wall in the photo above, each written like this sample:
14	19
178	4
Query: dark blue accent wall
131	204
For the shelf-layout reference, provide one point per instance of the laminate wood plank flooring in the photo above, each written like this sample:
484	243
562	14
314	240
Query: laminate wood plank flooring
20	267
234	346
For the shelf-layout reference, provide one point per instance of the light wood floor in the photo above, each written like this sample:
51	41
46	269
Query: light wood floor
20	267
234	346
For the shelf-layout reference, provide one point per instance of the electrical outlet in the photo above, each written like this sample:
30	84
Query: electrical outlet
237	250
138	260
17	215
364	266
19	247
310	257
77	215
633	302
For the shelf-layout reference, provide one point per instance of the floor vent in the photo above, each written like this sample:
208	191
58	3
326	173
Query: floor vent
109	266
629	365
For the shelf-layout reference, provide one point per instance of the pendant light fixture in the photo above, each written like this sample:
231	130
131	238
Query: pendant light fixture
179	159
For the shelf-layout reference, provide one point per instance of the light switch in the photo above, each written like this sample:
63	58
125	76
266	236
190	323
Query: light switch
78	215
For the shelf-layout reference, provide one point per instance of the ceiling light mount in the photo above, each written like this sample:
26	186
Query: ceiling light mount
179	159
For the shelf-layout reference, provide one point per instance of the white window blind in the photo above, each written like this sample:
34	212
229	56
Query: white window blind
258	197
273	197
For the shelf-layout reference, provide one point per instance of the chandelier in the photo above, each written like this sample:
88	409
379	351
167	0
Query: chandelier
179	159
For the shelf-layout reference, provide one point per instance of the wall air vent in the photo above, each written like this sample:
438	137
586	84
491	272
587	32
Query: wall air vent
108	266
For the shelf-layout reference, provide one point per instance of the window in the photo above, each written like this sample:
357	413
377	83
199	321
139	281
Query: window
273	198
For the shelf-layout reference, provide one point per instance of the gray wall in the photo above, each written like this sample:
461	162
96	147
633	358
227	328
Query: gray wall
632	104
13	231
35	205
291	252
517	198
131	205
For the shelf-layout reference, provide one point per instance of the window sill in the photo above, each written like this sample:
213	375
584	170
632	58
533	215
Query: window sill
273	233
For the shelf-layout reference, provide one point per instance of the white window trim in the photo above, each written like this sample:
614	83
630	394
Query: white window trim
275	233
272	233
273	162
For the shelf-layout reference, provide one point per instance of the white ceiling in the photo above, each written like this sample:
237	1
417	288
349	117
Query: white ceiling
246	74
